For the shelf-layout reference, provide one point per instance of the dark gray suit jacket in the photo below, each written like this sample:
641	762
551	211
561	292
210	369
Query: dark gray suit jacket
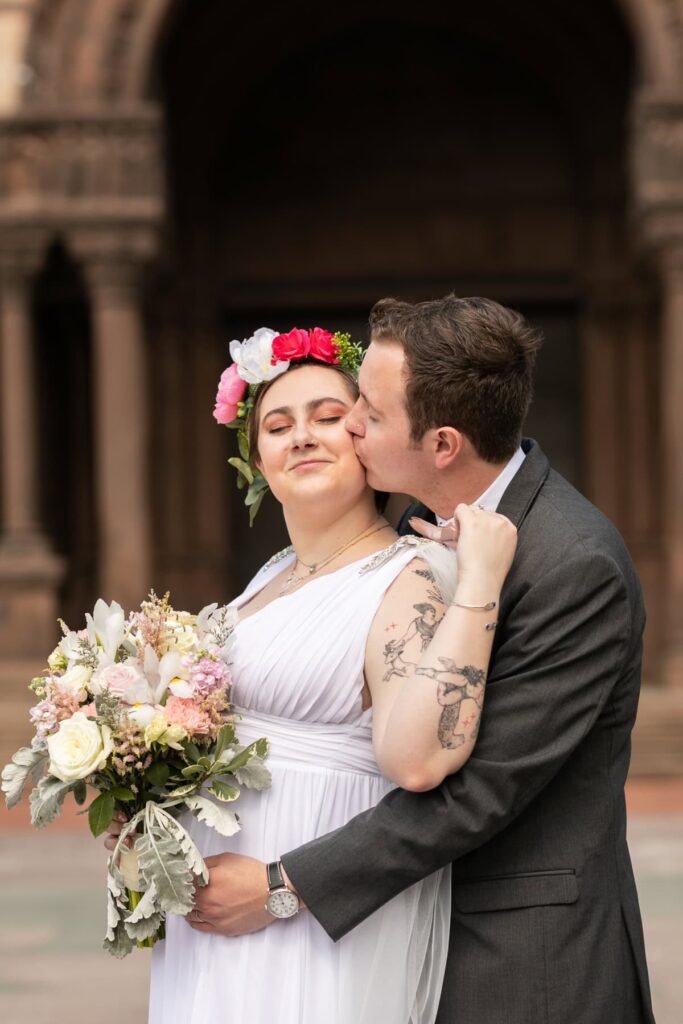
545	921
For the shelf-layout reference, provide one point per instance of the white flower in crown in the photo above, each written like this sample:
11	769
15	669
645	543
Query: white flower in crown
253	357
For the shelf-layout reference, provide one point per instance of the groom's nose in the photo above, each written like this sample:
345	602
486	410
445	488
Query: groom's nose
355	421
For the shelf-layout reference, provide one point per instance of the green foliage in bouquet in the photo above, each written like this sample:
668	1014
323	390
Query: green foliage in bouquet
137	709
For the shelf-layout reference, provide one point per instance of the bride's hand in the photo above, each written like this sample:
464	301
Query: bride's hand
446	534
487	542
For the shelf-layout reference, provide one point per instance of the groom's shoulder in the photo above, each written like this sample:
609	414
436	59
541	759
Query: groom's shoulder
569	527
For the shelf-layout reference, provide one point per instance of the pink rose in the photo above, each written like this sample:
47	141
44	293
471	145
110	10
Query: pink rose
231	390
323	345
89	710
125	682
295	345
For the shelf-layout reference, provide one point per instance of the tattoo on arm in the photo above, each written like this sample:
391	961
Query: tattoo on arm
424	626
433	593
450	696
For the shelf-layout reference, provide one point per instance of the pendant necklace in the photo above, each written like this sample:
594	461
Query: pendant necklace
294	580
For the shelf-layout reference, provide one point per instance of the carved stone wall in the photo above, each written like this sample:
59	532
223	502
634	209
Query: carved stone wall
83	158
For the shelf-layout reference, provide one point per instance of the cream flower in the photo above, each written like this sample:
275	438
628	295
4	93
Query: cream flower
79	748
253	357
166	733
76	680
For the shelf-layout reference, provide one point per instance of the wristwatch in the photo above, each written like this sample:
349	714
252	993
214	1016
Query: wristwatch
281	902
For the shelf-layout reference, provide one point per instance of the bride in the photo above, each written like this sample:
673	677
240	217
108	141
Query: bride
363	660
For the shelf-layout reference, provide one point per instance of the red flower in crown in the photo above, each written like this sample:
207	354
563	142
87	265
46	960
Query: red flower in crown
323	346
295	345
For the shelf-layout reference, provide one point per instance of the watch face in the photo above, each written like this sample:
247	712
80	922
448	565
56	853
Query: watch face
282	903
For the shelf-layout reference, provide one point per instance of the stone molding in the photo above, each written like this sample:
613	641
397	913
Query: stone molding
657	167
82	166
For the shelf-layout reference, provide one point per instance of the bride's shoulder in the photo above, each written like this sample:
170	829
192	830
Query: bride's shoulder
409	547
275	559
436	564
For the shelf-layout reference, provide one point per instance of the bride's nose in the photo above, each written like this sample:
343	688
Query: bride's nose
302	436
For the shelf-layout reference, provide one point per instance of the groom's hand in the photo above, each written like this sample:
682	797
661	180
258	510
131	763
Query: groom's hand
233	902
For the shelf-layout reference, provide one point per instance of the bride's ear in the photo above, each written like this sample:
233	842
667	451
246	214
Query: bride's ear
447	444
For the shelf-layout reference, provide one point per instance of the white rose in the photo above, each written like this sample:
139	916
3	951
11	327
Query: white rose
76	680
253	357
79	748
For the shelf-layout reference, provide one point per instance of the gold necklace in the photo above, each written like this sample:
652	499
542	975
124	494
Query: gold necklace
294	580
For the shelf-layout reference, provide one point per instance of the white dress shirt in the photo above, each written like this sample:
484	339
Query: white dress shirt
490	499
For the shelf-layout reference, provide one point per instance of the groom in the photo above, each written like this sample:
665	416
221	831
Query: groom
545	921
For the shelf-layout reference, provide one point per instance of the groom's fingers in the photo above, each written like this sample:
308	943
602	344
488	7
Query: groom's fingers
447	534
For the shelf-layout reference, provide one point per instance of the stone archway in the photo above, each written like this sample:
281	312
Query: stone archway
82	155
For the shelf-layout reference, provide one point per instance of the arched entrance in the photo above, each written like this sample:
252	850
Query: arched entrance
412	157
281	164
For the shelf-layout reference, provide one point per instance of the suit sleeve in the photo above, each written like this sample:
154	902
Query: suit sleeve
566	642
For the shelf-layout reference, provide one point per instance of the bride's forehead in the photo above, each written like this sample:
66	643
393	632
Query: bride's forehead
308	384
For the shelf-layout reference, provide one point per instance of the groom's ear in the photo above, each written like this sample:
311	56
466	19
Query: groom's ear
447	444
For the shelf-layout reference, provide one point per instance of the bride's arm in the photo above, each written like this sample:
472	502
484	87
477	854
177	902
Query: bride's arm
426	664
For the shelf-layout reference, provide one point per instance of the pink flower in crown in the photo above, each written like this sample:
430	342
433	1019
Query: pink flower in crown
184	712
323	346
295	345
231	390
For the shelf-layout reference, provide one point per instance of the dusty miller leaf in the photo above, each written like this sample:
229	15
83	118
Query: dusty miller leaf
145	928
162	863
24	764
225	822
254	775
47	799
120	944
194	858
114	894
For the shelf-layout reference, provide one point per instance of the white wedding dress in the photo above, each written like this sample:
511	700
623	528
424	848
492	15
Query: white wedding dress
297	667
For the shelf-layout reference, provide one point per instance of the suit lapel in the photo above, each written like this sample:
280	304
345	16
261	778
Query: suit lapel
526	483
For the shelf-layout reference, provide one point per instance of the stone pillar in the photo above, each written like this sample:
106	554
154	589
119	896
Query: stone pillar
113	270
671	261
29	571
658	209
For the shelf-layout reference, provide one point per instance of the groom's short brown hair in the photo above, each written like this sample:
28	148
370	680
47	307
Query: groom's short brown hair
470	365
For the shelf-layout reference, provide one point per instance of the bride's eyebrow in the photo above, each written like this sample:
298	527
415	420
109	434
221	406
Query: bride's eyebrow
286	410
317	402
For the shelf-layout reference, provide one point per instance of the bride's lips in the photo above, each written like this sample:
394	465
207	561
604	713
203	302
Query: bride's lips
310	464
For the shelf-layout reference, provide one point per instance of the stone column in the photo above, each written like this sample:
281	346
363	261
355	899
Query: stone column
658	210
121	416
29	571
671	261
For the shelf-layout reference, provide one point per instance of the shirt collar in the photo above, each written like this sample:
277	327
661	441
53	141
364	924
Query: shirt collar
491	497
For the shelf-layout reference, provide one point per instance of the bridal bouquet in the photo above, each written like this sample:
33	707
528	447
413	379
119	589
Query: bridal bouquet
137	709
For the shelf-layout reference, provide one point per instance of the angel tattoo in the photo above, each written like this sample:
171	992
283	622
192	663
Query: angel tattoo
451	695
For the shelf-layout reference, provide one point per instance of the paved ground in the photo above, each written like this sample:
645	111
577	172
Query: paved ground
52	970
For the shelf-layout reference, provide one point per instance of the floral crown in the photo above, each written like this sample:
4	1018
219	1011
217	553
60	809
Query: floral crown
257	360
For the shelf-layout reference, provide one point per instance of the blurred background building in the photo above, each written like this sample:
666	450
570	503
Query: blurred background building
174	174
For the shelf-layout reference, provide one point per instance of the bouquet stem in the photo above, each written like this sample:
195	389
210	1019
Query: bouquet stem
134	898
